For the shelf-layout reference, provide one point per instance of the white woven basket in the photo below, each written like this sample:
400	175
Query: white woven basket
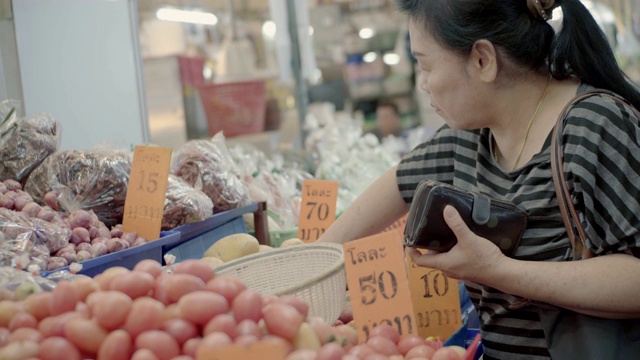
313	272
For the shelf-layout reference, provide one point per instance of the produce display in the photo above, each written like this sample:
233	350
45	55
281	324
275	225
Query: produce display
61	208
184	204
34	234
148	314
25	142
94	180
207	166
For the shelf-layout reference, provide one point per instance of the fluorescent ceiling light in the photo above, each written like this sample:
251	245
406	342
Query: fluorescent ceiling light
391	59
370	57
269	29
366	33
187	16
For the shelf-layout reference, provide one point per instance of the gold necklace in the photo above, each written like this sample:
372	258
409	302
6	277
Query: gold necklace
526	134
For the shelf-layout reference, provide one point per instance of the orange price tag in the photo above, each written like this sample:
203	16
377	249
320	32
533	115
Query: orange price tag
318	208
144	204
262	350
399	224
436	301
378	284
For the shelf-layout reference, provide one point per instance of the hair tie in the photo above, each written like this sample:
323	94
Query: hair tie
538	10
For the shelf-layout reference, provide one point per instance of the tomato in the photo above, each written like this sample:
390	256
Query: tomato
282	320
247	305
58	348
409	342
201	306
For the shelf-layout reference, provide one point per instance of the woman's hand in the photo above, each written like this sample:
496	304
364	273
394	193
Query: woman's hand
471	258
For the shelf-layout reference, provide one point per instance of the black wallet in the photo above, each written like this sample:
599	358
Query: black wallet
499	221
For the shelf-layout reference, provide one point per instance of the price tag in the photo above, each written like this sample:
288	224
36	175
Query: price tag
399	224
318	208
262	350
436	301
378	284
144	204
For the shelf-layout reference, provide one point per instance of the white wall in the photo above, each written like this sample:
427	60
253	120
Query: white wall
10	87
80	61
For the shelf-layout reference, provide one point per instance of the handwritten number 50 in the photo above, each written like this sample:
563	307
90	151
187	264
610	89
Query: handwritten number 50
370	286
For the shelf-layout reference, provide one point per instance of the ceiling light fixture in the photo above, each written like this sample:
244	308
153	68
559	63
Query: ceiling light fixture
187	16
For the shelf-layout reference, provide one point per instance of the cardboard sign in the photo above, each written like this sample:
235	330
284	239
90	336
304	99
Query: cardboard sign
436	301
144	204
318	208
378	284
398	224
261	350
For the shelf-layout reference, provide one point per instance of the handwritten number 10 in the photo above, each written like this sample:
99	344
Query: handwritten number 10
439	282
152	182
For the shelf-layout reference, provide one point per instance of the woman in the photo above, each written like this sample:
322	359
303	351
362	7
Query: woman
500	75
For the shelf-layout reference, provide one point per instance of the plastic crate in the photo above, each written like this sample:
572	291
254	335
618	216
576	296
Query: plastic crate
234	108
191	70
127	258
197	237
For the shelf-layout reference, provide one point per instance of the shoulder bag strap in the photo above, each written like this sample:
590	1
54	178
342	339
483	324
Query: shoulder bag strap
574	228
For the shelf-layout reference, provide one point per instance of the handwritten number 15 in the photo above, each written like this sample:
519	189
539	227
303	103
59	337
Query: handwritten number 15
151	181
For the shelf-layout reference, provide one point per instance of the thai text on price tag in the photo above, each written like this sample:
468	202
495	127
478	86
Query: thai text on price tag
144	204
261	350
378	284
318	208
436	301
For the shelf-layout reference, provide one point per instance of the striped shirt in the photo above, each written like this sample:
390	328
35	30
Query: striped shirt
602	167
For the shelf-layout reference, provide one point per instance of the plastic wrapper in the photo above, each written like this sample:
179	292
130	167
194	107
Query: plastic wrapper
25	142
60	275
208	166
18	285
345	154
28	241
184	204
88	180
273	181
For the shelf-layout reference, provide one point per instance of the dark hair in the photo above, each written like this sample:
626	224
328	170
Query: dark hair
580	49
389	104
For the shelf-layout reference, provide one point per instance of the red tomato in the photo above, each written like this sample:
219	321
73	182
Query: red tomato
247	305
195	267
409	342
282	320
58	348
227	286
180	329
225	323
116	346
163	345
424	351
383	345
386	331
201	306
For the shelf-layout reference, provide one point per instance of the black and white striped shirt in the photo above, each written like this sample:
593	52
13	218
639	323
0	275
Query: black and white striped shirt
602	166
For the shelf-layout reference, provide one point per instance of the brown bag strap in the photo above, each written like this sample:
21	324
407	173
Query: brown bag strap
572	224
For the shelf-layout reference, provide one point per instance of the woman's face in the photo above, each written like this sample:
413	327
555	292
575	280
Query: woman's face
444	75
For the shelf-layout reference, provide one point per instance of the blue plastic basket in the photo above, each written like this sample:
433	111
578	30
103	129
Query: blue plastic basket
127	258
197	237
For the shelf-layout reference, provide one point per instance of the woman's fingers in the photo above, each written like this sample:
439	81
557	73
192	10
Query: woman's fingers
456	224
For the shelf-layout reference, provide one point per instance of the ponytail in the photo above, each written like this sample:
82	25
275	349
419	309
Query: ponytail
582	49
